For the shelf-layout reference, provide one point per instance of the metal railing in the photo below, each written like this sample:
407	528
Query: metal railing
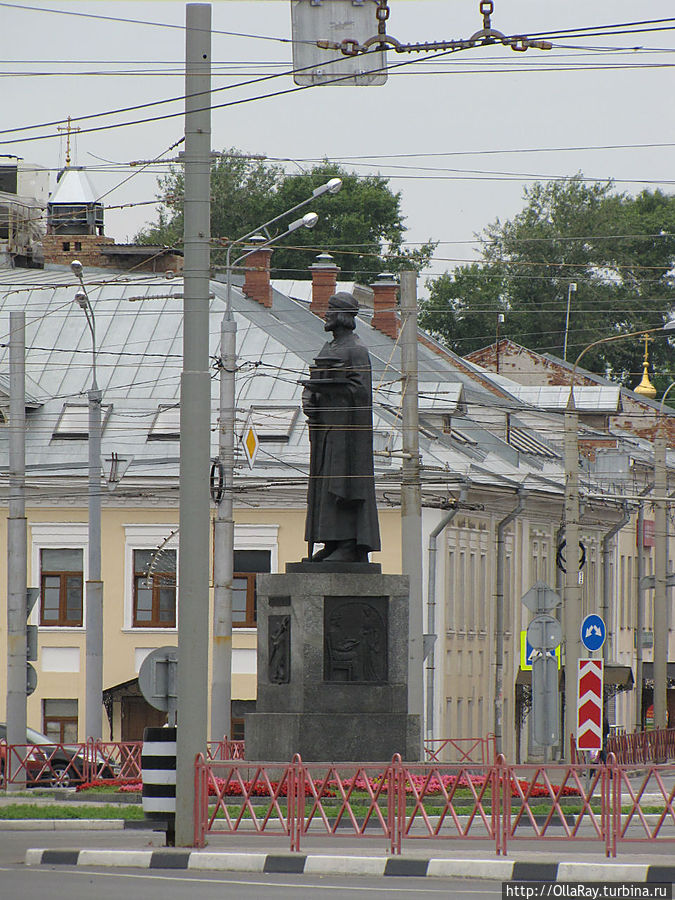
397	802
67	765
479	751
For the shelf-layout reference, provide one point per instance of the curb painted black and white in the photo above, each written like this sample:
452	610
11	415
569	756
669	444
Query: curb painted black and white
314	864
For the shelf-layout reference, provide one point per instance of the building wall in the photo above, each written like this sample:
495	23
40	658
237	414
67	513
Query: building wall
62	249
62	651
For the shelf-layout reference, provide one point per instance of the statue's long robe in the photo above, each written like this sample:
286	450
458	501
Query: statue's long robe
341	493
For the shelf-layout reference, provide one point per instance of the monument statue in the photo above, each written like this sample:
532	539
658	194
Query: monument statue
337	400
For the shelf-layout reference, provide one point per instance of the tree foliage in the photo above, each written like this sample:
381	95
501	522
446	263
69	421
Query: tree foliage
362	226
618	249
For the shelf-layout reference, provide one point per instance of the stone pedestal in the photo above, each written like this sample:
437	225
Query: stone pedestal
332	669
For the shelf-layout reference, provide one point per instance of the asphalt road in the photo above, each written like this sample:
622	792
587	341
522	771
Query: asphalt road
65	883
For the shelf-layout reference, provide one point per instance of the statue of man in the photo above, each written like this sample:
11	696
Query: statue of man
337	400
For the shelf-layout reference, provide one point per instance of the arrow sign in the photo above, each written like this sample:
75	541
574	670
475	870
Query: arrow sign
593	632
589	704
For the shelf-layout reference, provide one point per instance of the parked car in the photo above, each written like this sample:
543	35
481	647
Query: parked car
56	765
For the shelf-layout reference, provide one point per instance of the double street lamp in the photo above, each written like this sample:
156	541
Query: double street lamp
221	673
94	592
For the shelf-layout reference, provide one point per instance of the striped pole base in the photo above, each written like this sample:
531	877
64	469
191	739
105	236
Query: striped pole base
158	771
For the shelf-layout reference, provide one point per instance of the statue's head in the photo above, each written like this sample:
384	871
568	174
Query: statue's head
341	313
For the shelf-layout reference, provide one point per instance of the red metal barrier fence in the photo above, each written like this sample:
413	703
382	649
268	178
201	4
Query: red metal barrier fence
478	751
398	802
64	765
639	748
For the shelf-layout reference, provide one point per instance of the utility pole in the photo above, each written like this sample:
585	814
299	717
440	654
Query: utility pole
572	606
195	415
16	549
411	496
93	710
640	616
94	641
660	578
223	538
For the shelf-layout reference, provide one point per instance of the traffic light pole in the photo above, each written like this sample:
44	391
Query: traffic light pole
16	551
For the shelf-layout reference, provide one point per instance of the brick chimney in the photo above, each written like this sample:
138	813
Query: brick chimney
384	305
324	283
257	284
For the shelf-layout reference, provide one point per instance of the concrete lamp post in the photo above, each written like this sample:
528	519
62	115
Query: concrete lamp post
572	289
221	675
94	593
661	570
572	606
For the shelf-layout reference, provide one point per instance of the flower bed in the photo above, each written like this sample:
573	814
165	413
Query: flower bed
414	784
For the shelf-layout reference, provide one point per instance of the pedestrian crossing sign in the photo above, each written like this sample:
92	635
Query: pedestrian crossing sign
527	652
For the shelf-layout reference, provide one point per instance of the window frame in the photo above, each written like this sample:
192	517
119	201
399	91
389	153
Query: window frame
250	618
57	536
159	580
256	537
63	720
146	536
63	575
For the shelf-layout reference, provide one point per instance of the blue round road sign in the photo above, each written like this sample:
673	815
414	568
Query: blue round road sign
593	632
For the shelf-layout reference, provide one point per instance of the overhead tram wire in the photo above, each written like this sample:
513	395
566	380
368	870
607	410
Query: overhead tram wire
615	28
127	21
182	97
338	79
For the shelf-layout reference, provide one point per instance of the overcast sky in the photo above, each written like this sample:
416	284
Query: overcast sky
491	120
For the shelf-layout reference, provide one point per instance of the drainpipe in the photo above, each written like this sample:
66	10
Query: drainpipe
431	608
499	618
606	582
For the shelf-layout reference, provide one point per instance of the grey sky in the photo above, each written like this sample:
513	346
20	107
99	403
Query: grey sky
583	93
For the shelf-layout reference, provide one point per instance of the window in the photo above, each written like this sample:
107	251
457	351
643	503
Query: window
274	424
237	732
66	246
59	718
154	589
166	424
78	245
61	581
73	422
246	564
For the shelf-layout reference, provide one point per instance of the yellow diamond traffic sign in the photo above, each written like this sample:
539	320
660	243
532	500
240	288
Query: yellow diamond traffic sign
251	443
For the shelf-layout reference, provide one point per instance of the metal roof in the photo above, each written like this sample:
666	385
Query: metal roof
139	361
601	399
74	188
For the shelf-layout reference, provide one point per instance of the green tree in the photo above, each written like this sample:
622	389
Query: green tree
362	226
618	249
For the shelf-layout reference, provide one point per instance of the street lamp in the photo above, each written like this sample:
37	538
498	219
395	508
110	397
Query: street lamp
660	652
572	608
94	593
223	563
